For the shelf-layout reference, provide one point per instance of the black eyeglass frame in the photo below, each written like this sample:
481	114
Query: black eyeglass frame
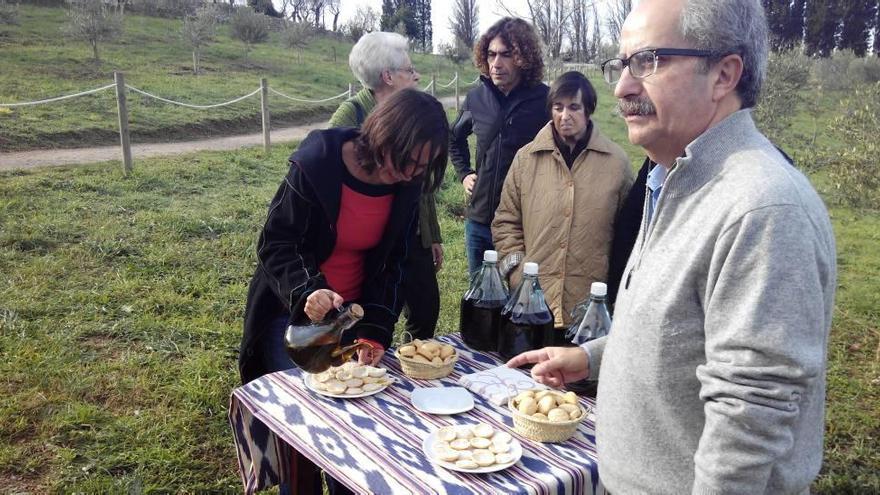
658	52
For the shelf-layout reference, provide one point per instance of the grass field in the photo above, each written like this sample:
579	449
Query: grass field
38	63
121	303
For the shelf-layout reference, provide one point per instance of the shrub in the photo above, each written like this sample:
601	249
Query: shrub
249	27
8	13
782	95
854	171
864	70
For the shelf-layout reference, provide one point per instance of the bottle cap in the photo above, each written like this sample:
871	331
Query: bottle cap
490	256
530	268
599	289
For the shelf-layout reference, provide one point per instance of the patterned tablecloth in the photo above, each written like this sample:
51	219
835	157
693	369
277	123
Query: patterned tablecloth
373	444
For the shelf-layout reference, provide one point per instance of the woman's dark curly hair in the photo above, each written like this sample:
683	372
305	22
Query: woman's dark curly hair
521	38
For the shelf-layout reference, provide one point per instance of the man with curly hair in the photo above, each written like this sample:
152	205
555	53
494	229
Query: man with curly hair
505	111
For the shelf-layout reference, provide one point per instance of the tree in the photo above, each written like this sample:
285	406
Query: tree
855	25
785	19
412	18
821	24
877	28
364	21
335	8
91	21
551	19
617	12
264	7
584	40
297	36
198	32
249	27
8	13
465	23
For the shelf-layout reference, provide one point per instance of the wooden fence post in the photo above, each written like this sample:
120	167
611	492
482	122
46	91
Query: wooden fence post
350	90
122	110
457	98
433	84
264	104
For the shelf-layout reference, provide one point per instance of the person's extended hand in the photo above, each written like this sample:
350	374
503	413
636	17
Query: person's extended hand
437	253
555	365
370	355
468	184
320	302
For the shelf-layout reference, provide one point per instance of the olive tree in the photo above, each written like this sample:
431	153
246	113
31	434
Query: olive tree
249	27
93	22
198	32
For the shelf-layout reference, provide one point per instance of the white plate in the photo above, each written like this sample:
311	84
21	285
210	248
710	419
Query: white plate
430	440
442	400
308	377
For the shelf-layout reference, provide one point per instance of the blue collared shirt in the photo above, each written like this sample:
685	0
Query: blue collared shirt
655	181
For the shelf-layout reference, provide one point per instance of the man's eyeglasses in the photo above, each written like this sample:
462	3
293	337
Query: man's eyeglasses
644	63
412	70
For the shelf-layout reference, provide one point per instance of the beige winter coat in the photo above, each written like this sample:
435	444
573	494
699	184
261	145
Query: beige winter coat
562	219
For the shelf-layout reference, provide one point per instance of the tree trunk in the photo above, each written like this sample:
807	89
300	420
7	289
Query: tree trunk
95	50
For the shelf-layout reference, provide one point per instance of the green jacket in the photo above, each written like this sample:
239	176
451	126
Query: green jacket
346	116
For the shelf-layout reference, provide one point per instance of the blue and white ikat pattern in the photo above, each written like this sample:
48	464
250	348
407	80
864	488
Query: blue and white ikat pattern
373	444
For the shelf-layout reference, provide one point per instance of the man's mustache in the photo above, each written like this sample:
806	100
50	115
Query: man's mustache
641	106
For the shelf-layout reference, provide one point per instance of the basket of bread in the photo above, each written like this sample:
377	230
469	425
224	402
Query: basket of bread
426	359
546	415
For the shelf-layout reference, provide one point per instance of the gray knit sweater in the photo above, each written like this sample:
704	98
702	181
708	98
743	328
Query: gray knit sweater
713	376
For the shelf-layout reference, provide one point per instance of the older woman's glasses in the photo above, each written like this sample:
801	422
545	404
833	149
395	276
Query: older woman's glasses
410	69
643	63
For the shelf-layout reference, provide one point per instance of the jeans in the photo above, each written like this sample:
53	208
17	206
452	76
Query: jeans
477	238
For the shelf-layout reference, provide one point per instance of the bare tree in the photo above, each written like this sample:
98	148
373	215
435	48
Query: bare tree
198	32
579	35
551	19
465	22
91	21
316	7
365	20
334	7
617	12
8	13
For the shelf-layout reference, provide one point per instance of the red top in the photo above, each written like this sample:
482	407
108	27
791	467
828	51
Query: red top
359	228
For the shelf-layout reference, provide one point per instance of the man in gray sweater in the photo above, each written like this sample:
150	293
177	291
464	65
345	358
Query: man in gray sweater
713	375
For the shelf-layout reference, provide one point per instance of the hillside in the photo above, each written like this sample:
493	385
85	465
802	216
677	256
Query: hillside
39	63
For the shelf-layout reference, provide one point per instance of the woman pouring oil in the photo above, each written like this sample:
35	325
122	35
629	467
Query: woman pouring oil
340	226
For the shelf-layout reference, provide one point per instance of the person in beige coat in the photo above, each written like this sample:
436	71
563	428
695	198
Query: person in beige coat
560	199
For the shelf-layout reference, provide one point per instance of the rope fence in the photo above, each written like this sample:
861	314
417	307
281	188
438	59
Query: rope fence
59	98
188	105
340	95
263	91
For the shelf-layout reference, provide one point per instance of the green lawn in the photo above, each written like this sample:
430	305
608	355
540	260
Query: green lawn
38	63
121	303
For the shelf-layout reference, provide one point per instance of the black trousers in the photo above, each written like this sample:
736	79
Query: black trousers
421	294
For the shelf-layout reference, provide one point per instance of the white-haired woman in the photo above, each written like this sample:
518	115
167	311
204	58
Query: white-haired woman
381	63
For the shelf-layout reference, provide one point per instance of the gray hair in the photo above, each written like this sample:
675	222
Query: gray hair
731	26
377	52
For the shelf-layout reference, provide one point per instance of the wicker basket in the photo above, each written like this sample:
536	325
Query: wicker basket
424	371
543	430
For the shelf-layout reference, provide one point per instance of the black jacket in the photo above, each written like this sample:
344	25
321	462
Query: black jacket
525	113
300	233
626	230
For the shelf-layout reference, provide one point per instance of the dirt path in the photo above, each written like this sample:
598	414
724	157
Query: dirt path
57	157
